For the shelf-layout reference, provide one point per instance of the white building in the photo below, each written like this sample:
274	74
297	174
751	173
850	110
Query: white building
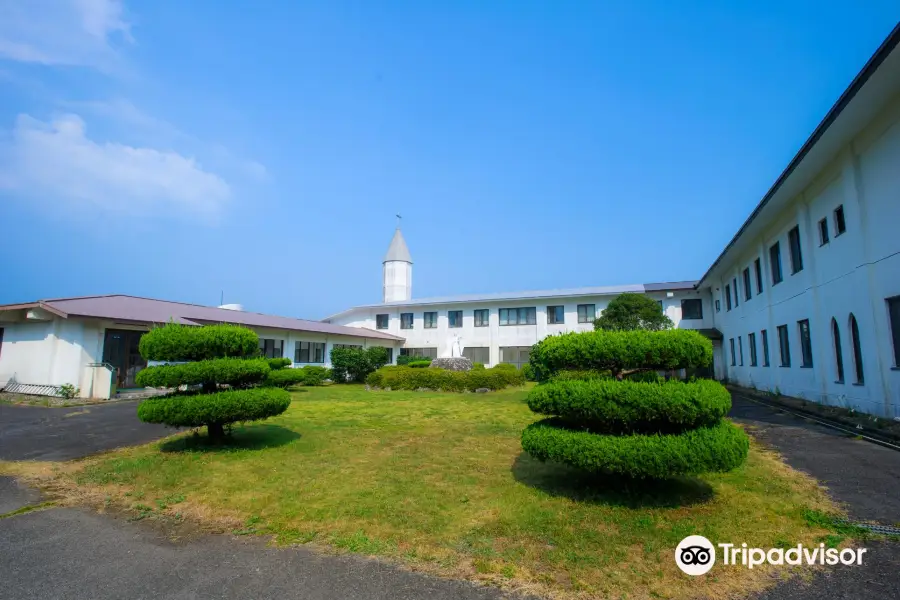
92	342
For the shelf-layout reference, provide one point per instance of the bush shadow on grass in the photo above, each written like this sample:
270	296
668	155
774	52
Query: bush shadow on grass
253	437
564	481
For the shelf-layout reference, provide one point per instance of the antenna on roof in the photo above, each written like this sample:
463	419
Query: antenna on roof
222	298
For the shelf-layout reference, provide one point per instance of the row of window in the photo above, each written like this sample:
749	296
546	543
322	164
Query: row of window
508	316
806	354
840	226
306	352
514	355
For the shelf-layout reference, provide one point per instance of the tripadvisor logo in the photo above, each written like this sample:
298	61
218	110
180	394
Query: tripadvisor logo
696	555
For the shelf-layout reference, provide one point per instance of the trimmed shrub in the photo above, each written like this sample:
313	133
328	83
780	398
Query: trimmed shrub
626	406
236	372
279	363
707	449
407	378
504	366
220	350
419	364
642	426
215	410
477	366
620	351
378	357
315	375
528	372
405	359
354	364
174	343
285	378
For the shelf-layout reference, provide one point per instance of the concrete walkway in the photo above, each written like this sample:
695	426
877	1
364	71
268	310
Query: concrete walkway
861	475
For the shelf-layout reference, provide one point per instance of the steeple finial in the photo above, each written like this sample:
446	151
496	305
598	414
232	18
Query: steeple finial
399	219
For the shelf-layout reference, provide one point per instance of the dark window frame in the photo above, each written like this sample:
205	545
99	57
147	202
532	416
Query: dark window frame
407	320
838	351
757	266
893	308
784	346
264	347
529	318
775	263
553	320
741	350
454	316
482	317
312	350
805	344
688	315
718	305
764	334
748	288
856	344
469	352
588	316
733	356
840	221
429	319
823	231
795	246
737	293
727	297
751	342
386	318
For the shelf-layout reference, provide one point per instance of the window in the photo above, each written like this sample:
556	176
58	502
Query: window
390	352
784	346
338	346
1	339
381	321
587	313
556	315
775	263
718	306
309	352
765	345
455	318
796	254
478	355
419	352
747	293
482	317
430	321
727	297
271	348
838	352
893	315
741	350
751	341
734	282
518	316
840	225
515	355
805	343
857	351
823	232
406	320
733	355
758	268
692	308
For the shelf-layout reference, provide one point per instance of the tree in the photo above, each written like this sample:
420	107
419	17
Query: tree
354	364
209	357
651	430
629	311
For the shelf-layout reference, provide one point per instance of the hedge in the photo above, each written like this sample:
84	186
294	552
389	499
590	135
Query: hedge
572	375
406	378
627	406
232	371
405	359
354	364
419	364
619	351
219	408
707	449
174	343
285	378
279	363
315	375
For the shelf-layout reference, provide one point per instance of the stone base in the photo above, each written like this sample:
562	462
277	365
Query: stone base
456	363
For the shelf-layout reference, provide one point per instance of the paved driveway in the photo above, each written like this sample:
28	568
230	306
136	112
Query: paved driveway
38	433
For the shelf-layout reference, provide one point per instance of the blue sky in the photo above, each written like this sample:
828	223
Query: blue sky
178	149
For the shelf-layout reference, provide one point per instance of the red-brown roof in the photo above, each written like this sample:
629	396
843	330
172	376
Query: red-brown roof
146	310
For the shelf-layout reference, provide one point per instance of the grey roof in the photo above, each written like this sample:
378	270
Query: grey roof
536	294
398	250
146	310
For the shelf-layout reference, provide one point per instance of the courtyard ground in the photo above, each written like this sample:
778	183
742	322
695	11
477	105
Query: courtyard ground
438	482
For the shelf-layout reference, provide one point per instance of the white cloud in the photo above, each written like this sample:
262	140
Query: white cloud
63	32
55	163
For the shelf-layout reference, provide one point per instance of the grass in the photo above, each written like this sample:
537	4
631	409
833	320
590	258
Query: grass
438	481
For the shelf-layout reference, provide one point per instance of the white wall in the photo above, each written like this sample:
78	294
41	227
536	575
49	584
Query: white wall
852	273
495	335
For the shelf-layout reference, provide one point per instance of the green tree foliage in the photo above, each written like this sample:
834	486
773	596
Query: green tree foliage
278	363
647	427
354	364
405	359
215	355
409	378
629	311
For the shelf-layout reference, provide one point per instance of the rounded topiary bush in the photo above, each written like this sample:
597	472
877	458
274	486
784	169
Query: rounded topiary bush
285	378
617	420
212	356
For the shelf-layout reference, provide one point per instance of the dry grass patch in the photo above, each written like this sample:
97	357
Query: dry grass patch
438	482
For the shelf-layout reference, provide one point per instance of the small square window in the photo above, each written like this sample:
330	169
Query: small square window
556	315
692	309
586	313
482	317
840	225
429	320
454	317
406	320
381	321
823	232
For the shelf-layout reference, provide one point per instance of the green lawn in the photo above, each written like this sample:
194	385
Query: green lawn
438	481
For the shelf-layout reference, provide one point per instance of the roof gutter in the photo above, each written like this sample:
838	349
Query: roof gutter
855	86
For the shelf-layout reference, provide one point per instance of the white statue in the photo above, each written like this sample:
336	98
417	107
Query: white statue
456	347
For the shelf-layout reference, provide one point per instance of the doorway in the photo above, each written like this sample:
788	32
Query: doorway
120	349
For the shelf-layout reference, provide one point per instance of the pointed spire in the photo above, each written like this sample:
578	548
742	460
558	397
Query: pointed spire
398	250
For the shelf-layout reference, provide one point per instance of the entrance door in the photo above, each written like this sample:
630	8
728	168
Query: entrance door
120	349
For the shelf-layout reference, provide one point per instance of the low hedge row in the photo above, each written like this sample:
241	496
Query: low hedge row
618	351
278	363
707	449
573	375
406	378
628	406
285	378
419	364
174	343
405	359
233	371
221	407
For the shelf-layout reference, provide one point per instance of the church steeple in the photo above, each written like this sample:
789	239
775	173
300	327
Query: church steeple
397	271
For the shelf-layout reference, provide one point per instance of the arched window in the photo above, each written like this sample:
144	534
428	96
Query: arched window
857	350
838	354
